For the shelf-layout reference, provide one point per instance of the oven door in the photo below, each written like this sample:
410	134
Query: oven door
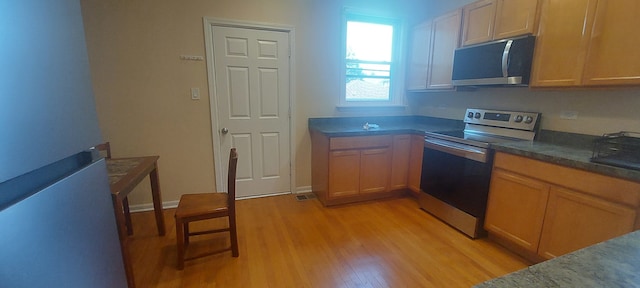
457	174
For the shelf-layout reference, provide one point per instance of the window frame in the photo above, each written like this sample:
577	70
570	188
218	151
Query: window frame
396	70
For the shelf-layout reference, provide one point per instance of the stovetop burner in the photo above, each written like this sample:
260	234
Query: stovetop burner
484	127
476	139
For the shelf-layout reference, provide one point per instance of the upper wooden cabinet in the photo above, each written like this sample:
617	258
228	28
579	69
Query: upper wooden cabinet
515	17
431	60
479	19
613	57
561	45
487	20
587	42
419	57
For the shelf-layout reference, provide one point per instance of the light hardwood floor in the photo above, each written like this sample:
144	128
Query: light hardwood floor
289	243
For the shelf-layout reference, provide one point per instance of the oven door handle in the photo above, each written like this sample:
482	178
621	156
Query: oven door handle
469	152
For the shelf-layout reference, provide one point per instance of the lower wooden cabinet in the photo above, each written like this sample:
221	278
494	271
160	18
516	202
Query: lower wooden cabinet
542	210
516	208
415	164
400	161
574	220
359	168
343	165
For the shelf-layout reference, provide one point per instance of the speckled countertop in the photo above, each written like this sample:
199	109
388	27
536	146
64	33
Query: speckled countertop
613	263
567	149
353	126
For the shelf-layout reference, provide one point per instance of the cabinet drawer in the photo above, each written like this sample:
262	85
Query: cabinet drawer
610	188
341	143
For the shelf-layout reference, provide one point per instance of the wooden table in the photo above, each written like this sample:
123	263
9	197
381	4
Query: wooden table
124	175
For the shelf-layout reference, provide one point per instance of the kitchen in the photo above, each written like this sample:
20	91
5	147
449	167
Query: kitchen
186	143
144	105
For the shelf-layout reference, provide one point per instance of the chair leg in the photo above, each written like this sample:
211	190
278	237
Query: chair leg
234	236
180	242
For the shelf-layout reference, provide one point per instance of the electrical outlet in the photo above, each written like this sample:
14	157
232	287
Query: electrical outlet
569	114
195	93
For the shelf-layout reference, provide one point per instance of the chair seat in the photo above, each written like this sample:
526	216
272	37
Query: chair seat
201	204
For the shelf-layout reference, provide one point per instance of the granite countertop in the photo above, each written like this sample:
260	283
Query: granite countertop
567	149
353	126
613	263
561	148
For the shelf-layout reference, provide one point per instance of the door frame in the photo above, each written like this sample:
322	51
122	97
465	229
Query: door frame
209	23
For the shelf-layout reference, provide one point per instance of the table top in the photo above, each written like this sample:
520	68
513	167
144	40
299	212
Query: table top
126	173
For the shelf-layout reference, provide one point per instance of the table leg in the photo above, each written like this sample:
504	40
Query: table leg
157	200
124	239
127	216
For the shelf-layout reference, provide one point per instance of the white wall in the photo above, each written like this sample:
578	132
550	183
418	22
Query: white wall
142	87
599	110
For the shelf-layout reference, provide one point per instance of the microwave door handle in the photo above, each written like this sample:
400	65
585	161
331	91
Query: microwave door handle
505	59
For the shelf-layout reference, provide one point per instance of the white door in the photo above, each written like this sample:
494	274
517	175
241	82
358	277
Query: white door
251	108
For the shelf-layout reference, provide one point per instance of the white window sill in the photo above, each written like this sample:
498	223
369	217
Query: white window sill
371	107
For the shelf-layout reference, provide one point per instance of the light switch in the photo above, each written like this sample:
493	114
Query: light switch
195	93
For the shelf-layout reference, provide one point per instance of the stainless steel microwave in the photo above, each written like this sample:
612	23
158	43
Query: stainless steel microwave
502	62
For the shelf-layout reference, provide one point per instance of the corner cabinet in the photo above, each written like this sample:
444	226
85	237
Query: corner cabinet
359	168
487	20
542	210
587	43
430	65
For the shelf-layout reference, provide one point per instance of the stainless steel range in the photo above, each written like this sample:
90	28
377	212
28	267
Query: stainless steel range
456	168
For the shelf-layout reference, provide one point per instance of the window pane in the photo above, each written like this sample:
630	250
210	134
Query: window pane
369	41
368	61
367	89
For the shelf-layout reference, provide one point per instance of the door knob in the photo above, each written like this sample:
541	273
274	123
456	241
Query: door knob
224	130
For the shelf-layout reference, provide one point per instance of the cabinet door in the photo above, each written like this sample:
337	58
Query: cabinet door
418	67
344	171
514	18
374	170
562	42
415	163
614	57
516	207
446	38
478	22
574	220
400	162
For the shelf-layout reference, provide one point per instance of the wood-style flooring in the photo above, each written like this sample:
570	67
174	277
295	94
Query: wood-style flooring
289	243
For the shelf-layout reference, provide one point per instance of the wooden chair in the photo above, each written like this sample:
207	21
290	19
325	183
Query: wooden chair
196	207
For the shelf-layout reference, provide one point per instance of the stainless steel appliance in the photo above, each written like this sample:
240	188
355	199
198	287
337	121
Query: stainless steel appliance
456	168
502	62
56	213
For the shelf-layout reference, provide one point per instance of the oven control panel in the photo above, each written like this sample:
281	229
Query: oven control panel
505	119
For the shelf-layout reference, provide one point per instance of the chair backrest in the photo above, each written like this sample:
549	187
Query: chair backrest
105	147
231	178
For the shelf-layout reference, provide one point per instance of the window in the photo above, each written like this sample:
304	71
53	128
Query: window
370	68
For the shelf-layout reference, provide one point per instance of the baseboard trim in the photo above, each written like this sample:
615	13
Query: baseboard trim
173	204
